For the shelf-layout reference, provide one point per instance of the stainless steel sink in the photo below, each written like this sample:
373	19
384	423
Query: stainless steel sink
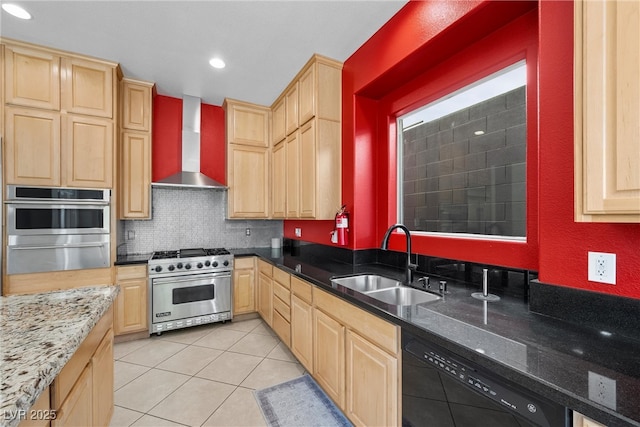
402	295
387	290
366	282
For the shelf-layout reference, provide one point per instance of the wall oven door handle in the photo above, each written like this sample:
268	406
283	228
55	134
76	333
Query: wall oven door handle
63	245
57	202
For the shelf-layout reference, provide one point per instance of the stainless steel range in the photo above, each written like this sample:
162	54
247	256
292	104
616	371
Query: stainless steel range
189	287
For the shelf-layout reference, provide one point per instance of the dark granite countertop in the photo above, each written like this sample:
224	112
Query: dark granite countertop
131	259
542	354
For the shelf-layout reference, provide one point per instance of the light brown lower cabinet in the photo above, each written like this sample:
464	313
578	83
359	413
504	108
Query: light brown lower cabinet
372	383
132	301
265	292
244	288
329	356
82	394
580	420
302	331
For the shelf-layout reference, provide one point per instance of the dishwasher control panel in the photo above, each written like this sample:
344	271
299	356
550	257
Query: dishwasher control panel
520	401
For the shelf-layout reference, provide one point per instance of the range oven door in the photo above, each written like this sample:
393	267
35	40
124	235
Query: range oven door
182	297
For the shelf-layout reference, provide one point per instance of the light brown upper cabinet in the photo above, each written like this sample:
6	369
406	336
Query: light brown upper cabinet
291	108
246	124
58	118
278	122
87	87
248	159
279	193
32	78
135	149
137	97
88	154
607	111
32	155
314	184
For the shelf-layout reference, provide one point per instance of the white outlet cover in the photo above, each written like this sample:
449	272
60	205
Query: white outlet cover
602	267
298	232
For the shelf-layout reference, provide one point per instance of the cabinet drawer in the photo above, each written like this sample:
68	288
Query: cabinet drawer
265	267
282	327
281	277
246	262
282	308
131	272
302	289
282	293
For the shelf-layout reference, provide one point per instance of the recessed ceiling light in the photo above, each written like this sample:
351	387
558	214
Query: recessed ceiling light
217	63
15	10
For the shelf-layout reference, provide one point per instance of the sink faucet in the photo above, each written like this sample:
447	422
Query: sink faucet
385	243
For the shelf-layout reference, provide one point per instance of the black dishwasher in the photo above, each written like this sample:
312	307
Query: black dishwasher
441	389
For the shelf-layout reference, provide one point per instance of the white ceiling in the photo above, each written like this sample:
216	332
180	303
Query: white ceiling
264	43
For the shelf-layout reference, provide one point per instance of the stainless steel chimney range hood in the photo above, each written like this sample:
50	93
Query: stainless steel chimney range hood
190	176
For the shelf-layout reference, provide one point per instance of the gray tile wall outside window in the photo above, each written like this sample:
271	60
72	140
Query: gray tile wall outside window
458	182
194	218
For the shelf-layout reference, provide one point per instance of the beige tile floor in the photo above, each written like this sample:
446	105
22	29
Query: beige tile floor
200	376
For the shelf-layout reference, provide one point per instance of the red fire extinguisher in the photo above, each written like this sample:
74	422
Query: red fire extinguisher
341	233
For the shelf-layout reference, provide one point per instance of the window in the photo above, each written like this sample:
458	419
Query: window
462	160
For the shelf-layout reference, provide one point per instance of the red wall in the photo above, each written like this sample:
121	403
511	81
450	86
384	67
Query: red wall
167	136
376	83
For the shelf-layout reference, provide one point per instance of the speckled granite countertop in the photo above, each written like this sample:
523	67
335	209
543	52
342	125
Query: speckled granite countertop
38	335
544	355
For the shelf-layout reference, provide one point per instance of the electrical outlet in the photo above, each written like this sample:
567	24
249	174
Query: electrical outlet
247	232
602	390
131	235
298	232
602	267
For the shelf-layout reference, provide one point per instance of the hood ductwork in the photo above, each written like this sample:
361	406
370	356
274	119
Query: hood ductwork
190	176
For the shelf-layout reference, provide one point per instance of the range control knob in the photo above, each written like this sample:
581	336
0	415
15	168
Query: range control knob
226	263
215	263
179	265
188	266
171	267
158	269
207	263
199	265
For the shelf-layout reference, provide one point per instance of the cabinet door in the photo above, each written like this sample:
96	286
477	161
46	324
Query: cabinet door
248	180
302	332
329	356
279	194
247	124
265	294
131	306
77	408
308	171
607	128
87	87
102	372
32	147
372	383
32	78
136	105
293	175
244	294
580	420
135	189
278	122
291	108
307	95
89	152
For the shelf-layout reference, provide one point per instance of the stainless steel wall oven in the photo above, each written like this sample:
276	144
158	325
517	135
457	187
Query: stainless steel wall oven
52	229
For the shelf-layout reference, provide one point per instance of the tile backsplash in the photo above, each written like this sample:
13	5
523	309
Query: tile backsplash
193	218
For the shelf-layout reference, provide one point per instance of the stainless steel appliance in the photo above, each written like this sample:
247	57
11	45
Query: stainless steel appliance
51	229
440	388
189	287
